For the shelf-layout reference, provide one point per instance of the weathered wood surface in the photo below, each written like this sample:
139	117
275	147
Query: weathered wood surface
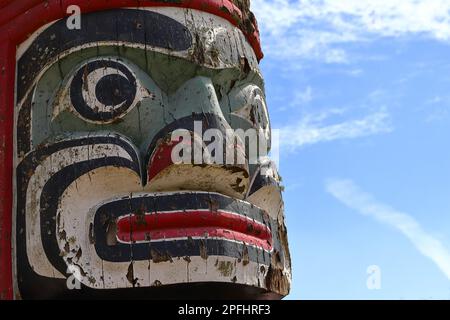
100	207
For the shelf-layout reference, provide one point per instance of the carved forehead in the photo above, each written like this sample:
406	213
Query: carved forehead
199	37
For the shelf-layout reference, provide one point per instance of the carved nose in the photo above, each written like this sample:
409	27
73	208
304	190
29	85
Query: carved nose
193	152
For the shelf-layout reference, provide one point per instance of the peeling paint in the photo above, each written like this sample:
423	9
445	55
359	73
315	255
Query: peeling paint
225	268
158	256
79	155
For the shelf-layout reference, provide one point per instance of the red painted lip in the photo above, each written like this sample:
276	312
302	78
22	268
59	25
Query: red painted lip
195	224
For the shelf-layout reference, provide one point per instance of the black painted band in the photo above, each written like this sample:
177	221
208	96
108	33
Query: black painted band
136	26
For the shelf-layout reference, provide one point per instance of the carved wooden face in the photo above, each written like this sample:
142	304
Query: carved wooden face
99	200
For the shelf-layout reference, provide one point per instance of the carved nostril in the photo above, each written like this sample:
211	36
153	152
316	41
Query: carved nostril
161	157
169	172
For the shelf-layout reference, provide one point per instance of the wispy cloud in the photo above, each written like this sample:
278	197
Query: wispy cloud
303	97
438	114
436	109
300	98
352	196
317	29
325	127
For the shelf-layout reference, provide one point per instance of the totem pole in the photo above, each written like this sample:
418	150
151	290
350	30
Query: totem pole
93	203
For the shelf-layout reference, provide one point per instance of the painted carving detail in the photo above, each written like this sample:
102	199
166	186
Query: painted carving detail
98	192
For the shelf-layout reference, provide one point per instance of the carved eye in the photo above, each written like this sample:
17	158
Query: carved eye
104	90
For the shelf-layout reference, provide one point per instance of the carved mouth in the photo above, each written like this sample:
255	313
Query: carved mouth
180	223
195	224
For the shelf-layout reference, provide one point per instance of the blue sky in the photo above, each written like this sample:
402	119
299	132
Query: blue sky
360	91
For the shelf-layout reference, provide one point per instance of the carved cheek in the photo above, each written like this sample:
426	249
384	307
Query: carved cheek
56	193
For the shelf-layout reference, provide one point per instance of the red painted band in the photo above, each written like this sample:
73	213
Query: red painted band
206	232
7	63
195	223
21	18
161	158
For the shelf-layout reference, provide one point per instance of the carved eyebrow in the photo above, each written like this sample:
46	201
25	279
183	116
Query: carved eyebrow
136	26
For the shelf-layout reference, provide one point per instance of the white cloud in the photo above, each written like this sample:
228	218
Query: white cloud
316	29
300	98
355	72
305	96
435	109
438	113
434	100
316	128
349	194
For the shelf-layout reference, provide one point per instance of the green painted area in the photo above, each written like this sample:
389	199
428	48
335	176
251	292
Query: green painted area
179	87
